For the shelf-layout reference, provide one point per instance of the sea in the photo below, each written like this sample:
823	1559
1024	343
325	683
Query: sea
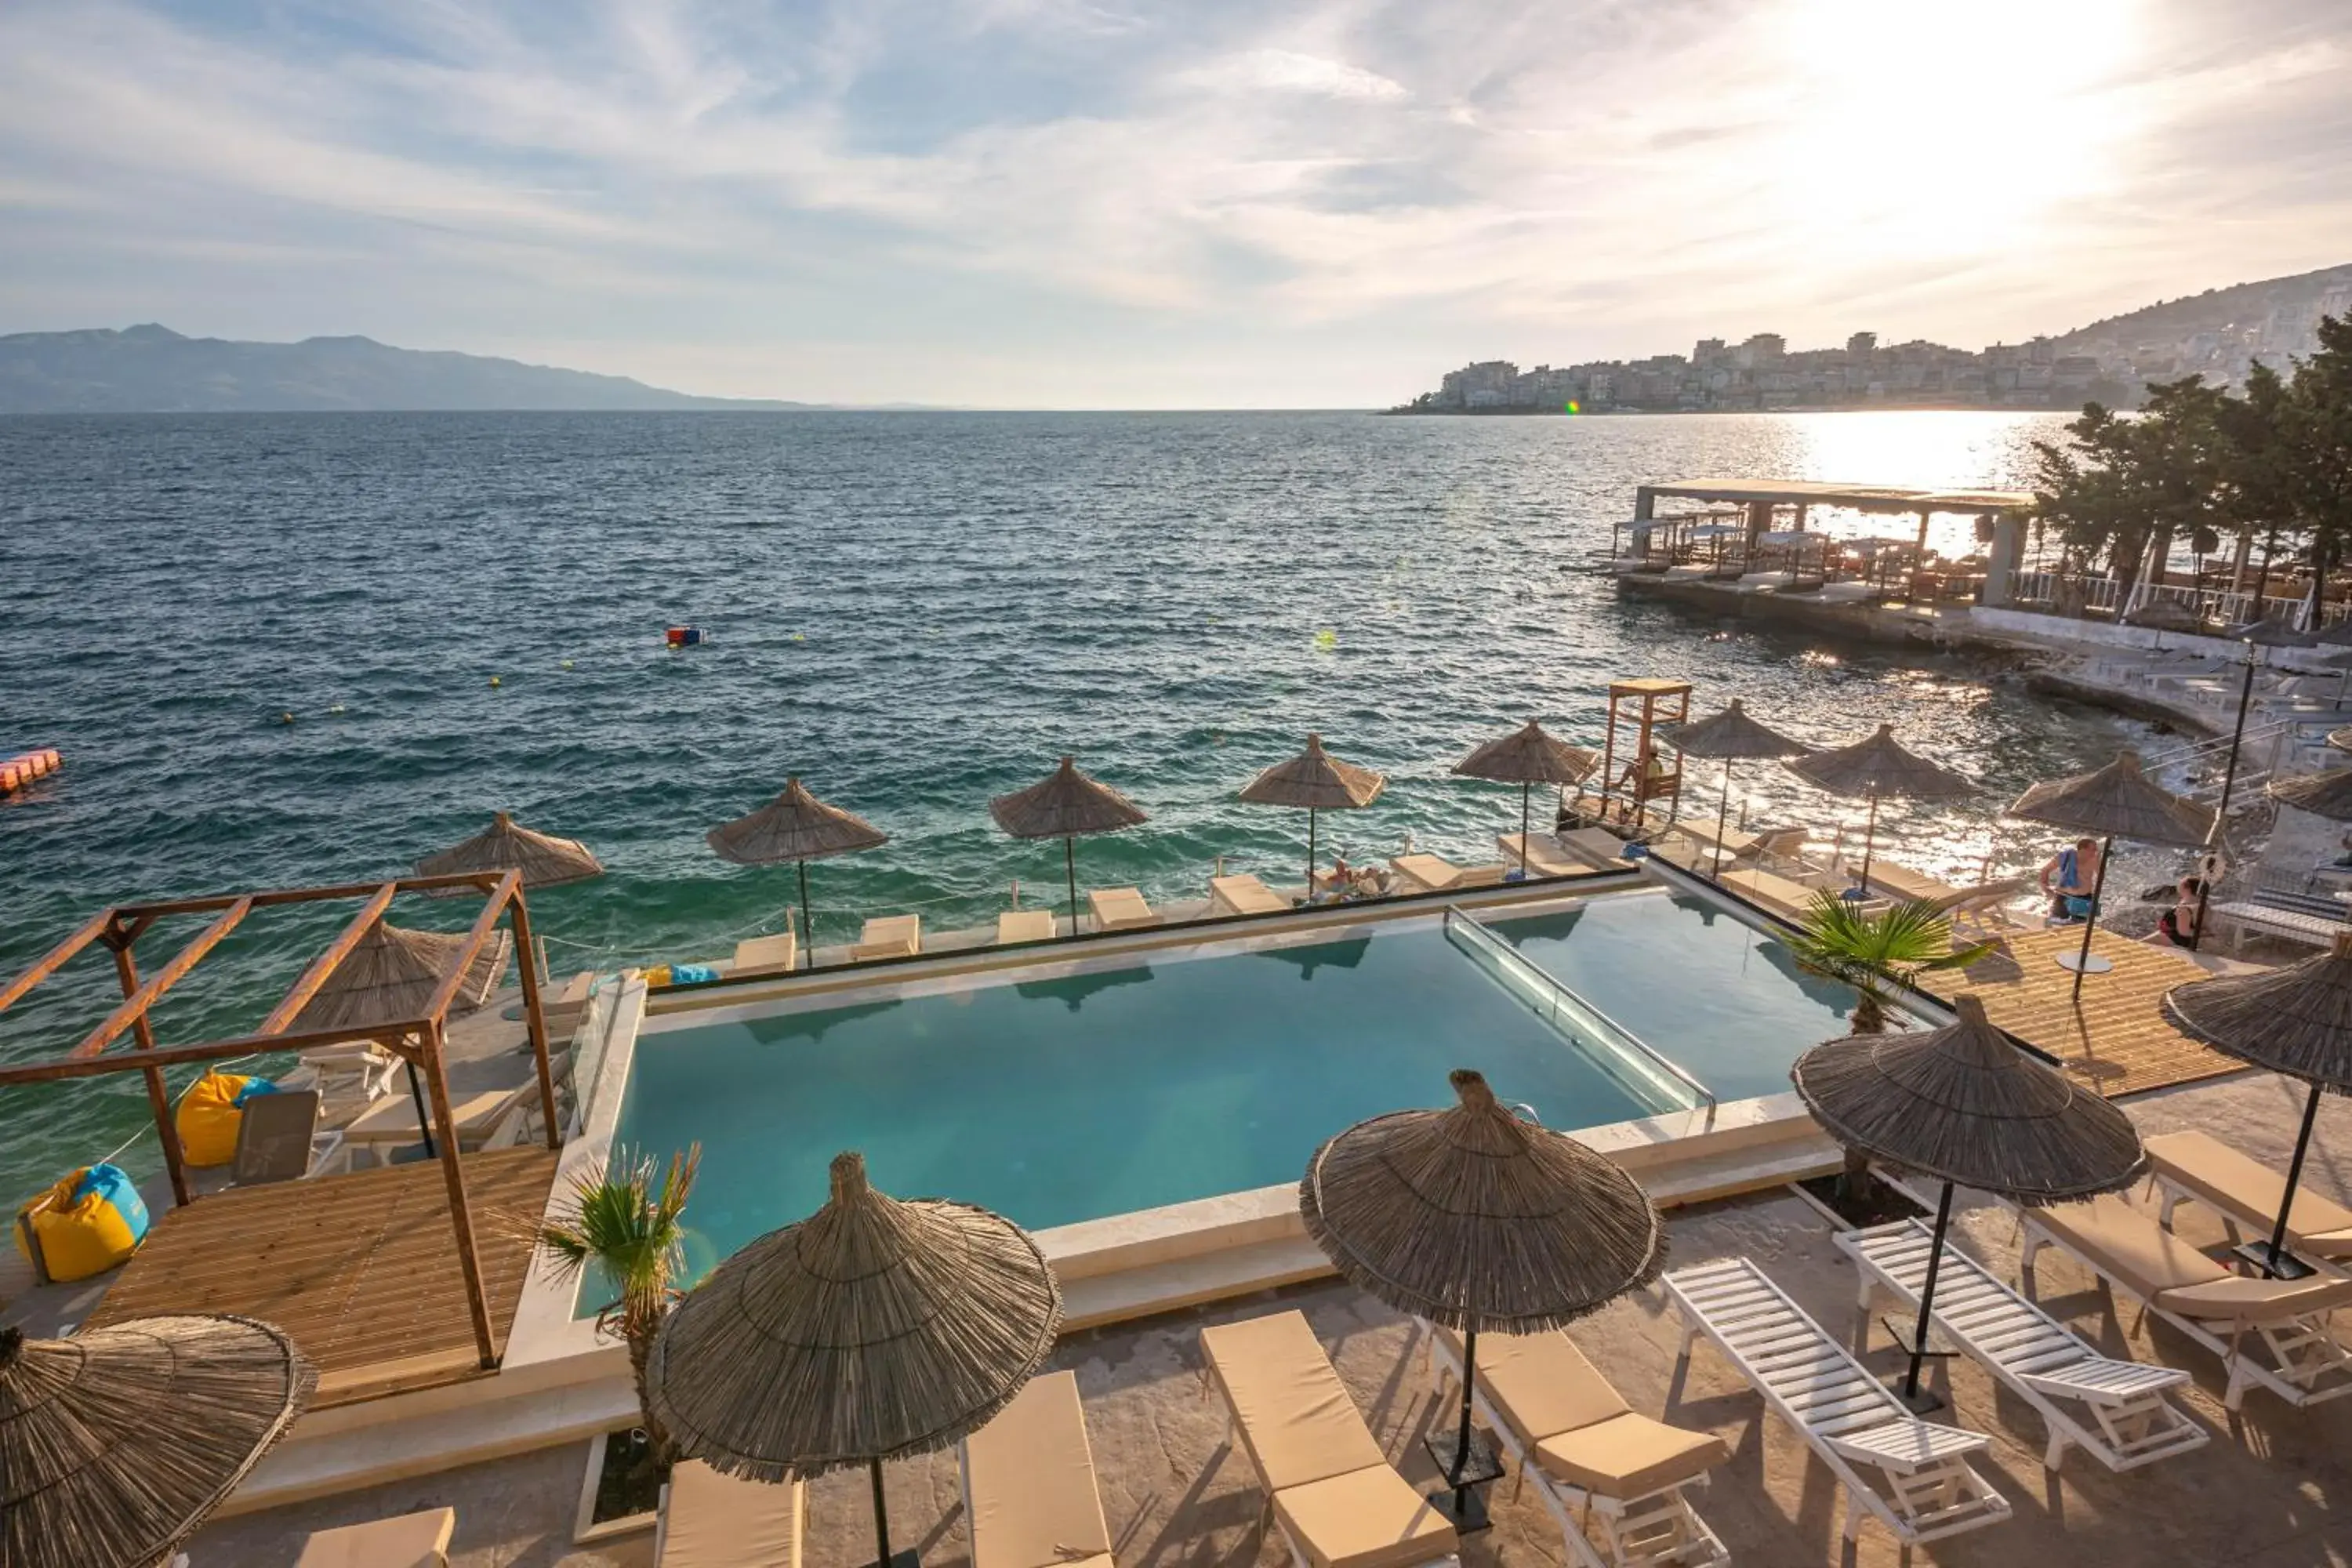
278	650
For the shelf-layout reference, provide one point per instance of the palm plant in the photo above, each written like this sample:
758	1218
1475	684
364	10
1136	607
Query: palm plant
1875	955
616	1221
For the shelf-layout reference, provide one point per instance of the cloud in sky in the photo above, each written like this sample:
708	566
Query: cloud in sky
1088	203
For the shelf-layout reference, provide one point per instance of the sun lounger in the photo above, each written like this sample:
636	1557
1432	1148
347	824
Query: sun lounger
761	955
2140	1259
2130	1422
349	1076
1792	901
1587	1452
1845	1415
1433	873
1029	1484
1902	882
710	1520
2196	1167
1546	858
279	1139
1120	908
1596	846
1244	895
411	1540
888	936
1338	1502
563	1012
391	1122
2239	917
1024	925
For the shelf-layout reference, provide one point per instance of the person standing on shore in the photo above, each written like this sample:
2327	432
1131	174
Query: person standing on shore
2068	877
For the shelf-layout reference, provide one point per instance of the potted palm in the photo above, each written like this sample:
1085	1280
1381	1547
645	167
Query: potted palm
620	1225
1877	954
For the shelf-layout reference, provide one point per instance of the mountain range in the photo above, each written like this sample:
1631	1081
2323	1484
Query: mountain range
151	369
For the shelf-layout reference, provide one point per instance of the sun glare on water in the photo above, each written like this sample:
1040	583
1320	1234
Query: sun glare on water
1952	127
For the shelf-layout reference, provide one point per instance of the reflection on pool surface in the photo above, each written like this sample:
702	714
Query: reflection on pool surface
1135	1085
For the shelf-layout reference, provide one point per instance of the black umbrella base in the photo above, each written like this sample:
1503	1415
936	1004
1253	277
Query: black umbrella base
1467	1520
1484	1465
2279	1265
1924	1403
901	1559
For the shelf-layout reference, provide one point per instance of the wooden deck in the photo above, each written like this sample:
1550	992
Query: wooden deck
361	1270
2115	1036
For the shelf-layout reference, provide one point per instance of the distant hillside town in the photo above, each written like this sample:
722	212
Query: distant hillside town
2219	335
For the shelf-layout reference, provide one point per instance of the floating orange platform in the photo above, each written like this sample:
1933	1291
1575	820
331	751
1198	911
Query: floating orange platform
22	768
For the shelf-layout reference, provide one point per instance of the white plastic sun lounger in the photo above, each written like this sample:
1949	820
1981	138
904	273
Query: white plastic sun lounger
2141	1260
1591	1454
2131	1422
1845	1415
2197	1167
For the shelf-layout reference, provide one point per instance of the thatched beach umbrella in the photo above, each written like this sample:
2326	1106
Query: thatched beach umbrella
2295	1022
2118	801
1320	782
1730	736
1965	1106
2166	615
1527	757
2327	795
544	860
1878	767
1473	1219
872	1330
798	827
116	1444
392	976
1066	804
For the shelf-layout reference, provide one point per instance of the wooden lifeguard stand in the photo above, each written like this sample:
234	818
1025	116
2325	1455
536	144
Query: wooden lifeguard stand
1643	706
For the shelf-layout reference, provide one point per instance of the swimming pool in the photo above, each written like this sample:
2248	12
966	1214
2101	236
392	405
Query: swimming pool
1121	1085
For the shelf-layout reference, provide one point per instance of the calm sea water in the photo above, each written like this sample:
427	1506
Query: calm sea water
915	612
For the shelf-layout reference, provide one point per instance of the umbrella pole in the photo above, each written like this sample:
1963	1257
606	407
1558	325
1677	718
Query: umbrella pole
2082	959
881	1517
1070	871
1525	790
2229	782
808	926
1462	1437
1310	854
2276	1261
1722	817
1869	837
1911	1396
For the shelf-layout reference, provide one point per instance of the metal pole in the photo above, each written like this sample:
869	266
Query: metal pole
1869	835
1722	816
1928	1294
1525	792
2294	1175
1070	870
2098	886
2229	783
808	926
881	1518
1462	1440
1311	853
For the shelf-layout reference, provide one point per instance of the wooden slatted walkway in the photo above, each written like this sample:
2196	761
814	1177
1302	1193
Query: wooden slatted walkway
360	1269
2116	1036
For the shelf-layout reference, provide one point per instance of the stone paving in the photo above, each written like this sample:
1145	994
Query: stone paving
2273	1490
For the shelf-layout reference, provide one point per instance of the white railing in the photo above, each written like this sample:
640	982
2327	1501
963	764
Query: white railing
2048	587
2232	609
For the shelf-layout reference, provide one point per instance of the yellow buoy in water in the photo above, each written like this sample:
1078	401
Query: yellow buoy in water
285	717
494	680
1326	639
567	664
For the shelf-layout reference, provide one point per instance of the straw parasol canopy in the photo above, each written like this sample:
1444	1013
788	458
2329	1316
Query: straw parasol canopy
544	860
1527	757
1473	1219
2166	615
1317	781
2327	795
1730	736
2118	801
392	974
1066	804
871	1329
2295	1022
1878	767
1965	1106
115	1444
795	826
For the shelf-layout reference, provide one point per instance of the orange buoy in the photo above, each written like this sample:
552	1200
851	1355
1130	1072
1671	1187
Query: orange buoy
22	769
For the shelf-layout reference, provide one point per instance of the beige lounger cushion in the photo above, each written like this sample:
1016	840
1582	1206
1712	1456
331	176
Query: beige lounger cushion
1366	1518
2242	1300
718	1521
1597	845
1580	1427
1296	1417
1119	909
1245	895
1905	883
1425	873
2210	1170
775	954
1025	925
1031	1481
1785	897
1543	856
889	936
411	1541
2128	1247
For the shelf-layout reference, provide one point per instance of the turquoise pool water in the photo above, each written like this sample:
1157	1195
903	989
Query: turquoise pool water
1062	1100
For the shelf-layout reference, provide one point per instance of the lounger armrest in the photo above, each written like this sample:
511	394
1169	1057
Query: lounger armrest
2255	1301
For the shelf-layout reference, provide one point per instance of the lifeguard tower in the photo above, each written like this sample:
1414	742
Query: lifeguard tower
1650	770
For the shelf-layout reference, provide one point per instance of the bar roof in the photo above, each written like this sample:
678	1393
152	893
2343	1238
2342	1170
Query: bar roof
1863	497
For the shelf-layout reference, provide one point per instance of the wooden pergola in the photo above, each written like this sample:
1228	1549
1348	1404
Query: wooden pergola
421	1041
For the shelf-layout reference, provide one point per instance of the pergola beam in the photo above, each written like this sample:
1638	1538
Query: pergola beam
58	1067
135	1006
482	880
58	956
324	966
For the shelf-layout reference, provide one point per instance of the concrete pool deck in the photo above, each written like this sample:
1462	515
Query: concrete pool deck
2272	1490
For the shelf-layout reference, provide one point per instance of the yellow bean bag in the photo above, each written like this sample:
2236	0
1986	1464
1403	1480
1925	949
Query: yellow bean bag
210	1114
87	1224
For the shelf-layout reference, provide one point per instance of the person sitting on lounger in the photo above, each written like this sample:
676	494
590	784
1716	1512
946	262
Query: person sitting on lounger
1366	882
2177	927
2068	877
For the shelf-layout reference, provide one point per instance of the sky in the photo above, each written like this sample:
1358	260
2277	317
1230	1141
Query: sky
1093	204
